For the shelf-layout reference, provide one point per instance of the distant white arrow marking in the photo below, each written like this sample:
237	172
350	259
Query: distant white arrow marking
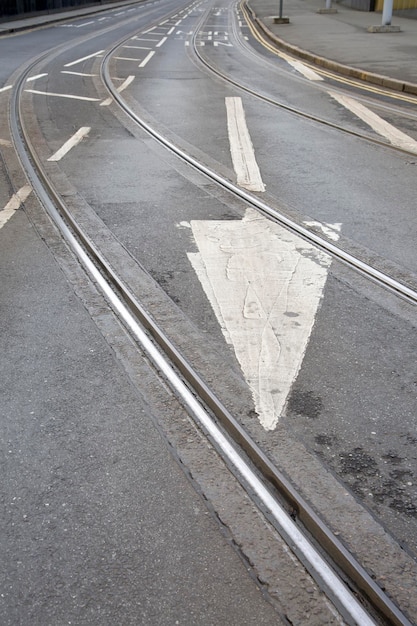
265	285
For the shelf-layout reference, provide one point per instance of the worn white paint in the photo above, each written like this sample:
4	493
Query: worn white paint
147	59
265	285
35	77
332	231
5	143
161	43
90	56
61	95
303	69
241	148
122	87
13	204
6	88
68	145
77	73
379	125
126	59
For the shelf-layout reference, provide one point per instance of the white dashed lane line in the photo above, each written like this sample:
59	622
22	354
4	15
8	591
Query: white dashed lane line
68	145
14	204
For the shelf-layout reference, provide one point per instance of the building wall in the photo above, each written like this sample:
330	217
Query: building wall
399	5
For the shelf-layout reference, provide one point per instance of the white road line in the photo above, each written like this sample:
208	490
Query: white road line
146	59
6	143
265	285
101	19
13	204
125	59
300	67
5	88
138	47
162	23
332	231
72	141
241	148
36	77
379	125
145	32
161	43
90	56
85	24
171	30
77	73
123	86
61	95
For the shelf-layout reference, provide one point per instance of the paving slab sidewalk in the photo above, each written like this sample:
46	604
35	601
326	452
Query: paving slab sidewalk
343	38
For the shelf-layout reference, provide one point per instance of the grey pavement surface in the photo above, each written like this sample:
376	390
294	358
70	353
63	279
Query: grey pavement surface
341	38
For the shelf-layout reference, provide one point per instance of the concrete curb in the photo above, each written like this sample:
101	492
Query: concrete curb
340	68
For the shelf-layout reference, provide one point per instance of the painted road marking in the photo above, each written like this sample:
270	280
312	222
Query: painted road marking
379	125
36	77
13	204
72	141
265	285
77	73
61	95
84	24
332	231
90	56
138	47
146	59
241	148
5	88
300	67
122	87
125	59
161	43
6	143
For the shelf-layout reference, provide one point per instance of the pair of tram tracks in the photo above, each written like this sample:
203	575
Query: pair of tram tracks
355	594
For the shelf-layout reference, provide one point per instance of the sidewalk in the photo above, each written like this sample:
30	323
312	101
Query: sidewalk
340	41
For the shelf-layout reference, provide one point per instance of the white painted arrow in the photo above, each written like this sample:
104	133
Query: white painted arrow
265	286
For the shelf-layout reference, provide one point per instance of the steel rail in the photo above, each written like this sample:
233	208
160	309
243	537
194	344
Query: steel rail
293	110
100	272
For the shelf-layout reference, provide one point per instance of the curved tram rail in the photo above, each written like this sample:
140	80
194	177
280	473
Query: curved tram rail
260	36
286	508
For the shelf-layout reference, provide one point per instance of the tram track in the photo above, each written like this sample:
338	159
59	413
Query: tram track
219	73
189	385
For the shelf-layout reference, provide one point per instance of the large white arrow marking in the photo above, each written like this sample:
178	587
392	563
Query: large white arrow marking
265	286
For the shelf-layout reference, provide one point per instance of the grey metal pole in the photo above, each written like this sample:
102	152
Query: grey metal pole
281	2
387	12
